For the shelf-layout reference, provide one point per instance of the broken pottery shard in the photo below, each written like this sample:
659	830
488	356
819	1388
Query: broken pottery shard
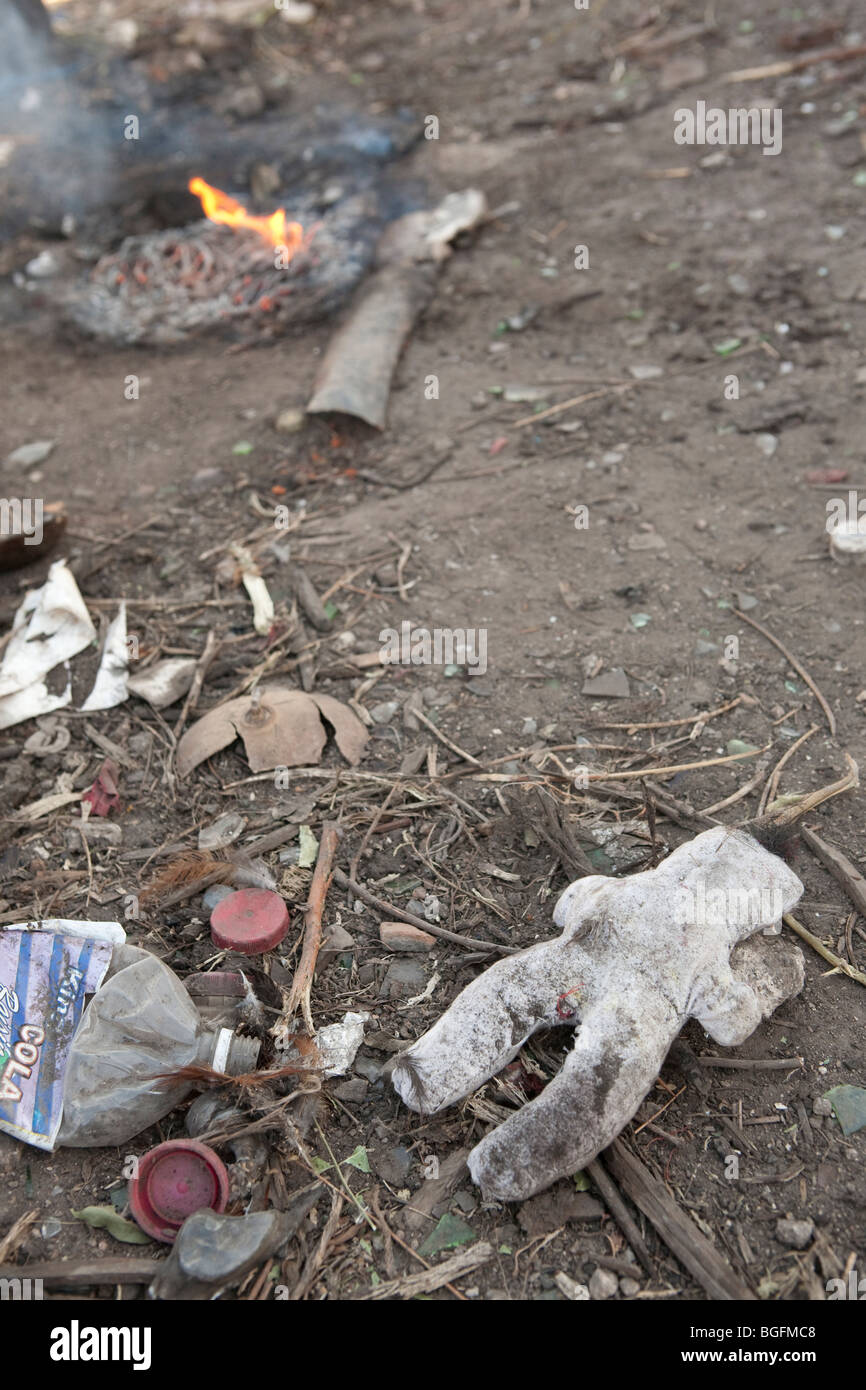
51	626
164	682
612	685
637	957
279	728
402	936
356	371
110	686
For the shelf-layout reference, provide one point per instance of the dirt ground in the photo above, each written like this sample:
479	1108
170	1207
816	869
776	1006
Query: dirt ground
703	263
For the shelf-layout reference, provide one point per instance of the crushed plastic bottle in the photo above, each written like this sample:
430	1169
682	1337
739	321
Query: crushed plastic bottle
141	1024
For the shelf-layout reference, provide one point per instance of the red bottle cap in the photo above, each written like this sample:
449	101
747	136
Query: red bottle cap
251	921
174	1180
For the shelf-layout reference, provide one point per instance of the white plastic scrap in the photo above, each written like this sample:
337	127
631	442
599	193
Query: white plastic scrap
110	686
338	1043
637	957
51	626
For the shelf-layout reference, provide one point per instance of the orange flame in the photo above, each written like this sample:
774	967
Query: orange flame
219	207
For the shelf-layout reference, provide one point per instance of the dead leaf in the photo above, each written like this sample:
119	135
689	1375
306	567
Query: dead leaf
279	728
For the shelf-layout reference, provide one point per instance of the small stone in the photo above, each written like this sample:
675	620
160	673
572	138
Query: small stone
222	832
213	1251
367	1067
402	936
822	1106
214	895
739	284
795	1234
629	1287
393	1165
610	685
384	712
354	1090
571	1289
645	372
767	443
647	540
43	266
336	943
404	978
288	421
603	1283
28	455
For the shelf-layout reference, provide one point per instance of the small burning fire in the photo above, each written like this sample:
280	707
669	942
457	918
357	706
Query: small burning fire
219	207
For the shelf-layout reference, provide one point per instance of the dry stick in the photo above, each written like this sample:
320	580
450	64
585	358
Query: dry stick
699	718
211	647
81	1273
678	1232
620	1213
317	1259
801	670
428	1280
842	869
788	65
383	806
322	874
736	796
437	733
747	1064
575	400
772	785
675	767
399	914
823	951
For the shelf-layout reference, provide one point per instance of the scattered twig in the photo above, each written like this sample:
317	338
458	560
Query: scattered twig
839	866
14	1236
322	874
749	1064
317	1259
695	1252
822	950
443	738
772	786
699	718
77	1274
674	768
574	400
661	1111
399	914
792	660
620	1213
789	65
429	1280
211	647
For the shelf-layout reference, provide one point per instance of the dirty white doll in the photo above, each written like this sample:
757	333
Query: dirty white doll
694	938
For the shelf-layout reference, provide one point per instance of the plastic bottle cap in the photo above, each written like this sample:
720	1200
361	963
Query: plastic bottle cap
174	1180
251	921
